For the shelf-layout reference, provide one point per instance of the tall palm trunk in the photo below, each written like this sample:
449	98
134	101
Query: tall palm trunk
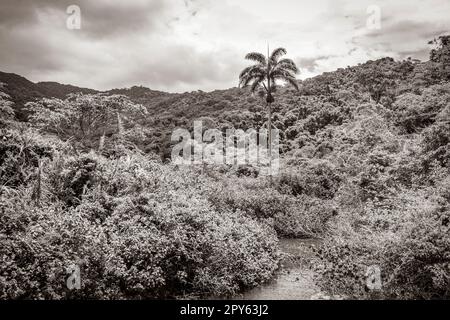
269	125
269	102
269	122
262	77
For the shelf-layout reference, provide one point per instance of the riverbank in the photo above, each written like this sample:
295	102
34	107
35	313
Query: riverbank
295	279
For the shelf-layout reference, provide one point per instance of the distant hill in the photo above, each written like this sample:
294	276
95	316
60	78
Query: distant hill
138	92
379	81
22	90
327	100
57	90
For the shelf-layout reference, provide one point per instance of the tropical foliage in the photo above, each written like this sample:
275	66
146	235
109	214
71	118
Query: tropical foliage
365	167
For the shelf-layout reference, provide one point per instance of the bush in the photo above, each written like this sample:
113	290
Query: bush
291	216
316	178
406	236
165	249
42	244
327	115
415	112
418	264
139	230
436	140
72	178
306	217
341	266
6	110
20	153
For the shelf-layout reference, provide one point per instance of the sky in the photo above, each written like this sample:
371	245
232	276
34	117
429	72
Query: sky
187	45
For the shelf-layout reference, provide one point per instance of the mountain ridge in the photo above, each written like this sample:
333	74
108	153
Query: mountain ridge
22	90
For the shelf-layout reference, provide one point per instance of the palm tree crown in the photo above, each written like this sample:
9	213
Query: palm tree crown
262	77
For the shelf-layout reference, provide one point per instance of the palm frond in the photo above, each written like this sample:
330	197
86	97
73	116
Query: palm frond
271	69
293	82
287	64
257	57
277	53
249	74
245	81
280	74
284	75
245	71
256	84
252	70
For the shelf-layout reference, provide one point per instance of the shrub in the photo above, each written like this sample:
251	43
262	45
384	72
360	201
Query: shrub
326	115
436	140
418	264
6	109
306	217
42	244
415	112
139	230
316	178
166	249
291	216
341	266
20	153
73	177
407	236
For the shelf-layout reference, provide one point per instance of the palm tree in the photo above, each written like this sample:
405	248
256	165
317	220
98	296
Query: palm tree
264	76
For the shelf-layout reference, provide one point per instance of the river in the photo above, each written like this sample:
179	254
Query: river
294	280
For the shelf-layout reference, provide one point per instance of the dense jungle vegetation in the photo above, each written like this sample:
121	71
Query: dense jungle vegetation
86	178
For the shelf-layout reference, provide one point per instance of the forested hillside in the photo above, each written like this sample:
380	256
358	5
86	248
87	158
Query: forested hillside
87	179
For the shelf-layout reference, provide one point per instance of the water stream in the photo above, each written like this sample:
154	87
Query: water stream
294	280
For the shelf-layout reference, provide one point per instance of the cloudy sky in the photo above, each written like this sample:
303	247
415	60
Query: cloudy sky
184	45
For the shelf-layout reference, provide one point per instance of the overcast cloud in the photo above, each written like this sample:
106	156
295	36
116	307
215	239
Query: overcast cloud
184	45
